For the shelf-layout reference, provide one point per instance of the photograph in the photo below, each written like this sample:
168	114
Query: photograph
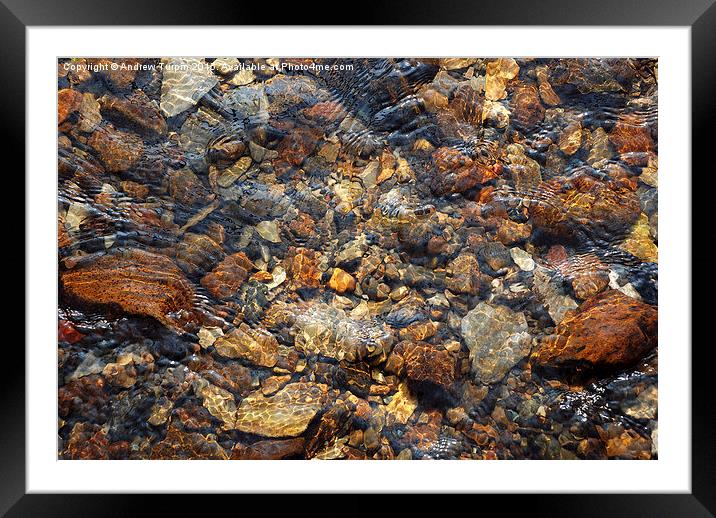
357	258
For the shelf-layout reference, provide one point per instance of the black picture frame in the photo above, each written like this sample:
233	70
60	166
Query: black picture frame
700	15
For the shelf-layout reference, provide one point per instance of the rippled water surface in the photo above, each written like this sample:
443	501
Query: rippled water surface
357	258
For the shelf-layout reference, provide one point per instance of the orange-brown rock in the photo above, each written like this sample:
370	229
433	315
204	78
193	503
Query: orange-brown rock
118	72
119	151
86	397
589	284
139	282
269	449
456	172
425	362
562	206
186	188
608	331
301	265
187	445
463	274
68	101
467	105
632	139
225	280
297	145
135	111
86	442
527	109
341	281
198	253
134	189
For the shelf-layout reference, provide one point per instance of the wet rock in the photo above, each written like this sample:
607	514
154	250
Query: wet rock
639	242
186	188
269	450
526	107
198	253
497	338
301	265
557	303
563	206
119	151
139	282
256	346
631	138
136	111
426	363
185	81
180	445
341	281
464	275
285	414
226	279
68	102
499	73
608	331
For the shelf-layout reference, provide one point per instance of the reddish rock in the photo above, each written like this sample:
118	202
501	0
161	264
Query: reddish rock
84	397
456	172
527	109
87	442
67	333
228	276
301	265
68	102
136	111
119	151
608	331
297	145
562	206
138	282
425	362
632	139
269	449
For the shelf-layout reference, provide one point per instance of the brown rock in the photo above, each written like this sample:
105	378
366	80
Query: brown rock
86	442
527	109
197	253
138	282
463	274
228	276
86	397
118	151
567	205
341	281
257	346
269	450
301	265
456	172
134	189
425	362
118	72
297	145
187	445
285	414
632	139
135	111
608	331
186	188
68	102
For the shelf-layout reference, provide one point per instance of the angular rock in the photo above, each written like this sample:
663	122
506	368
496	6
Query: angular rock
285	414
139	282
497	338
608	331
119	151
256	346
224	281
